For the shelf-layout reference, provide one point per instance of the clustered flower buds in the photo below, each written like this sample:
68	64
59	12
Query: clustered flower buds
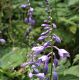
40	66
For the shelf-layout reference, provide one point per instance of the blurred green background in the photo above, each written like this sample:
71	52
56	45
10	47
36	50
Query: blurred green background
65	14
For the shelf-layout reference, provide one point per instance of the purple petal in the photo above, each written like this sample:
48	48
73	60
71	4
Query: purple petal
54	26
30	75
55	76
38	49
45	33
42	38
63	53
55	62
56	38
40	75
47	44
45	25
24	6
2	41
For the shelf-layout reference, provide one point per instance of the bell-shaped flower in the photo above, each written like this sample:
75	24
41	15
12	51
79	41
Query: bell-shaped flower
2	41
30	21
54	26
45	25
47	44
45	33
55	75
38	50
45	69
24	6
35	71
62	52
40	75
30	75
56	38
55	62
42	38
46	28
44	58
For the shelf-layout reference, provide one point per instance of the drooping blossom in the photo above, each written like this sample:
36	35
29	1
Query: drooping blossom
30	21
62	52
30	75
56	38
24	6
44	58
55	62
47	44
40	75
45	33
45	69
54	26
38	50
42	38
2	41
55	75
45	25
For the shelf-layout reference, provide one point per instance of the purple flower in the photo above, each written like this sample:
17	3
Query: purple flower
55	75
38	50
46	28
45	69
42	38
24	6
45	25
35	71
30	11
30	75
38	62
55	62
62	52
54	26
45	33
2	41
44	58
47	44
30	21
40	75
56	38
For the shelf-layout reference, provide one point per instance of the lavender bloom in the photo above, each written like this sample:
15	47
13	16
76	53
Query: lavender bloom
40	75
2	41
55	62
30	21
54	26
35	71
30	11
55	76
38	49
42	38
45	33
44	58
45	69
47	44
45	25
56	38
62	52
46	28
30	75
24	6
38	62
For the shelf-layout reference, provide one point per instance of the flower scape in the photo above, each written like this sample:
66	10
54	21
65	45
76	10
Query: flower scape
39	64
